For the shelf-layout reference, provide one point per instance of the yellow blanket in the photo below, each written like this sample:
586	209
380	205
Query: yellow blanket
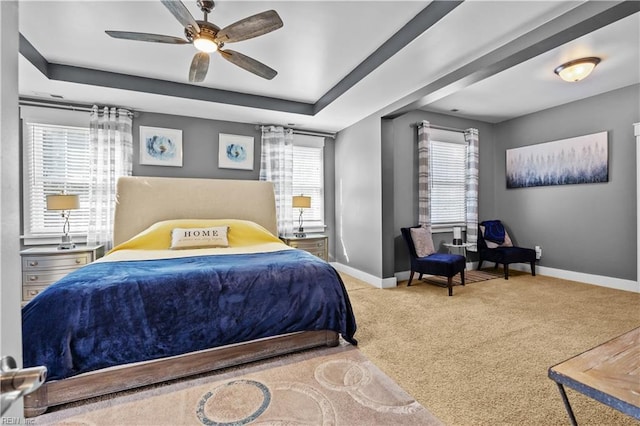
155	242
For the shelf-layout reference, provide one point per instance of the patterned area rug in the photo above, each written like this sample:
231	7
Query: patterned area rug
329	386
472	276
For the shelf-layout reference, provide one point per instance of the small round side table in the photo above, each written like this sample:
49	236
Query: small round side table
461	248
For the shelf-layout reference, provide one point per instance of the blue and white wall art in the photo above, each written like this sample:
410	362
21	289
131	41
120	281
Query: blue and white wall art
160	147
583	159
235	152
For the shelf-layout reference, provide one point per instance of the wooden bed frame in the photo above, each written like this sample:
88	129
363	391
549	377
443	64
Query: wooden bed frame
142	201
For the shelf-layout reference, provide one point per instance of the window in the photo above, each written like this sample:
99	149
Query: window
55	146
448	171
308	178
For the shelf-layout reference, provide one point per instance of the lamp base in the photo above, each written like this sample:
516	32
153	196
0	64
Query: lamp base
66	243
457	241
300	233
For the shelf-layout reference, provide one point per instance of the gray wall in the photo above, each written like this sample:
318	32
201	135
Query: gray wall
589	228
10	273
329	194
376	188
199	146
388	147
200	154
402	140
358	193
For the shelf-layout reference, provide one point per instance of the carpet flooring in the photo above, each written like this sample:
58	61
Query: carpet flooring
324	386
481	356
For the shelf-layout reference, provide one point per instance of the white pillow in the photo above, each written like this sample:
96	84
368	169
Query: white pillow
422	241
189	238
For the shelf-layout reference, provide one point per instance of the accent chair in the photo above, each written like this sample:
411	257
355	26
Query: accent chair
441	264
491	249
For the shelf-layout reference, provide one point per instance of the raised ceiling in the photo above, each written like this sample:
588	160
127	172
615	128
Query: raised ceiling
337	61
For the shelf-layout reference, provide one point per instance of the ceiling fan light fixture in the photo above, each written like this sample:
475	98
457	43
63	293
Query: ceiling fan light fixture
205	44
207	37
577	69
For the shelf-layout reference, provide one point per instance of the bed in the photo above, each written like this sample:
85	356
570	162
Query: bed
147	313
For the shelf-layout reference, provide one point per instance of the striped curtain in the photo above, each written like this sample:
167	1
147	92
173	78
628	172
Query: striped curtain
276	165
110	156
471	187
424	189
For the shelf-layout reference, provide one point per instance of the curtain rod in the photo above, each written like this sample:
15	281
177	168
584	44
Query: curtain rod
312	133
435	126
302	132
72	107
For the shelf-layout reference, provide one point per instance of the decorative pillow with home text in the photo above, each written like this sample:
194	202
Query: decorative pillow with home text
191	238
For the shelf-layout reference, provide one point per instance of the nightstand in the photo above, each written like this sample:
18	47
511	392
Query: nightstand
316	244
42	266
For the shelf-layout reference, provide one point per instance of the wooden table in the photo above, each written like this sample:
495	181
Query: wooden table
609	373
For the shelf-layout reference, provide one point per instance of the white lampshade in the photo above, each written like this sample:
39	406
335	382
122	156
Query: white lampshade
578	69
301	202
63	202
457	232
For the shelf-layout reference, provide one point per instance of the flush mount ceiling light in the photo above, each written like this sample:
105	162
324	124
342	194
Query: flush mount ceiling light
577	69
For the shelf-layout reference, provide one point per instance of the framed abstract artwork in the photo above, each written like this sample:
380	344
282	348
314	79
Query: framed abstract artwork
583	159
235	152
160	147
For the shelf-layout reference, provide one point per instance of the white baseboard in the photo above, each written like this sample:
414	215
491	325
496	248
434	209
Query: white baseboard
402	276
600	280
366	277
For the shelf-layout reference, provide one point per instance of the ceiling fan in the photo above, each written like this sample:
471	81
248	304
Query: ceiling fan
208	37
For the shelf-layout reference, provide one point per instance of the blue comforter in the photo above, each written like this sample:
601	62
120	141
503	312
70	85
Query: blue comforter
113	313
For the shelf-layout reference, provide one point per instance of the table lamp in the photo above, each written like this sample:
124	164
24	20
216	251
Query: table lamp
457	235
64	203
301	202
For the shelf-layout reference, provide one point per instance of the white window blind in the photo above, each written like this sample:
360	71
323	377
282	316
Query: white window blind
308	178
448	164
56	159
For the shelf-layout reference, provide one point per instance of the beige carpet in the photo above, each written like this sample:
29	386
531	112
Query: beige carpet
327	386
481	356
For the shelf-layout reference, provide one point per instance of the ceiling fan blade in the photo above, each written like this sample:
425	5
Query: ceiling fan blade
182	14
199	67
250	27
158	38
249	64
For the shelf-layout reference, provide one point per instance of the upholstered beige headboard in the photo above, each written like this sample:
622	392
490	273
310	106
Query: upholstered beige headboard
143	201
